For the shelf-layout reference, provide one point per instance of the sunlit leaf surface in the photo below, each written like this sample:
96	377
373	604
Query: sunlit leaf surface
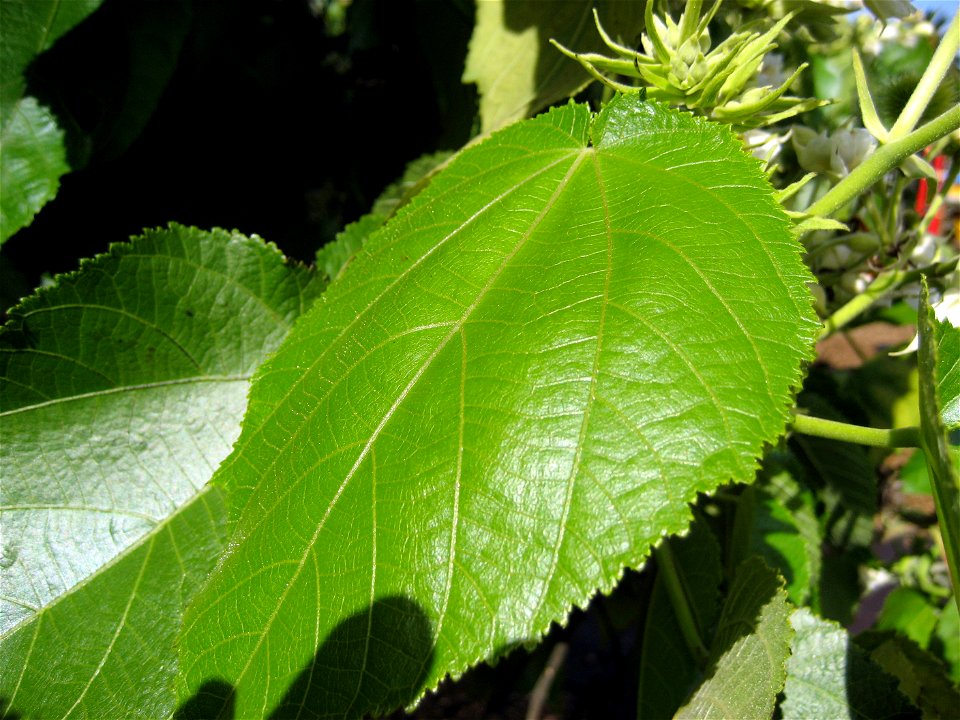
513	390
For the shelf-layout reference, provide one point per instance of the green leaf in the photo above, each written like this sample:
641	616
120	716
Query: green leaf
776	520
947	338
921	675
33	156
749	651
937	342
828	676
511	392
668	671
513	64
910	613
947	639
121	390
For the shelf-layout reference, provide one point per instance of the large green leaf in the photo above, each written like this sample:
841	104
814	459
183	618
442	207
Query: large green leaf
511	60
510	393
121	390
32	154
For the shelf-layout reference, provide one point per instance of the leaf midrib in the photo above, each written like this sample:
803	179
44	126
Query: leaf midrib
578	160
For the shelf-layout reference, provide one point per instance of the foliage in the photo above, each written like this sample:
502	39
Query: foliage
563	373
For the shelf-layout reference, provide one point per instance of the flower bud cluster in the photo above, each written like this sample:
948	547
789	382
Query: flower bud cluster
732	82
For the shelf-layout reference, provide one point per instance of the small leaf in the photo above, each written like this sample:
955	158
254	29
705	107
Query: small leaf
828	676
749	651
916	167
511	392
513	64
121	389
868	112
33	156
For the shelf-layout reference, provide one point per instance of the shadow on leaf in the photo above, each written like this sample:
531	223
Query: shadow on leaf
373	662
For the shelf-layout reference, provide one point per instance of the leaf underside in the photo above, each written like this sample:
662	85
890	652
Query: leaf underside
512	391
122	388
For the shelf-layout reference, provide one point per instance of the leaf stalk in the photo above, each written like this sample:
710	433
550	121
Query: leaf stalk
845	432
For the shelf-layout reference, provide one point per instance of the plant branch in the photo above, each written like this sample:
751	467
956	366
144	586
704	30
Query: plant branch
932	77
667	566
884	284
882	161
845	432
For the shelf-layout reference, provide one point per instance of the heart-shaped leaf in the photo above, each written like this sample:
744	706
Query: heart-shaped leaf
515	388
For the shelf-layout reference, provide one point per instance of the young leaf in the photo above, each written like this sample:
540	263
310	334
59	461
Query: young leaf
511	392
828	676
33	157
121	389
749	651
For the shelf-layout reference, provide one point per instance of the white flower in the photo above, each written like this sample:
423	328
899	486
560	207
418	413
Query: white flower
946	310
764	145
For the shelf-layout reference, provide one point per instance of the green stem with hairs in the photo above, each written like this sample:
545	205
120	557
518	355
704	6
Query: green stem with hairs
845	432
882	161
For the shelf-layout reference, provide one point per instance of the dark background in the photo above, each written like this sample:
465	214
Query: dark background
252	115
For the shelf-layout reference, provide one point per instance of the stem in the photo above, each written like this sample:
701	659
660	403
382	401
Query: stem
883	160
845	432
667	566
932	77
884	284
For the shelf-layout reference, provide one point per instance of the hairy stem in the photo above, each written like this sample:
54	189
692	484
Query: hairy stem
845	432
882	161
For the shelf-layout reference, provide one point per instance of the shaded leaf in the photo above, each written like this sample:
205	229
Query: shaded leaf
829	676
921	675
333	256
749	650
776	520
121	390
33	156
513	64
668	671
512	391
